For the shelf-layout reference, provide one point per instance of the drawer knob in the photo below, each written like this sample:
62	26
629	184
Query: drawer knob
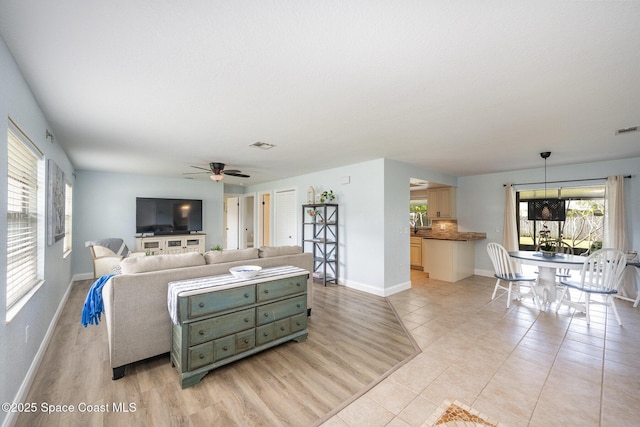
246	295
246	341
265	334
266	315
201	332
298	284
201	305
246	320
266	291
282	328
298	305
201	356
225	348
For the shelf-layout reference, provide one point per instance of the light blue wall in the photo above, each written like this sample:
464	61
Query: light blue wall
481	198
16	355
105	206
374	224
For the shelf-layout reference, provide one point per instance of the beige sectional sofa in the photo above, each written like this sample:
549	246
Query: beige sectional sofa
135	302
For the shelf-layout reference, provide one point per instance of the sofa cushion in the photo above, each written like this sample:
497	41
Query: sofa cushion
217	257
143	264
269	251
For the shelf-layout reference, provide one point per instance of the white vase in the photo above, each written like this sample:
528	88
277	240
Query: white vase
311	195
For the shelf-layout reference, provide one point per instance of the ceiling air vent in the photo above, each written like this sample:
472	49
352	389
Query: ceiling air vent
627	130
262	145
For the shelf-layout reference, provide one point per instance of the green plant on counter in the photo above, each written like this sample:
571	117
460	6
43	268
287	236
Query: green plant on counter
216	248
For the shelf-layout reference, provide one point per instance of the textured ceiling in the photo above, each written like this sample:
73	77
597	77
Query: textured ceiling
462	87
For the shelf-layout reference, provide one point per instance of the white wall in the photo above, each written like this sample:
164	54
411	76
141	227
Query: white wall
105	206
481	198
16	355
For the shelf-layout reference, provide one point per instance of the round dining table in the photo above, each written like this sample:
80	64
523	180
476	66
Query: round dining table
547	267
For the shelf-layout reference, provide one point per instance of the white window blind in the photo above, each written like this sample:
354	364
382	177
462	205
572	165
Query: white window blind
68	205
22	216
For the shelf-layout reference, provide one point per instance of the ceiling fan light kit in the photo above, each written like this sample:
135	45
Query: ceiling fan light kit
219	171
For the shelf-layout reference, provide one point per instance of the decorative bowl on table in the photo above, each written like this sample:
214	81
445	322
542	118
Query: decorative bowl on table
245	271
631	256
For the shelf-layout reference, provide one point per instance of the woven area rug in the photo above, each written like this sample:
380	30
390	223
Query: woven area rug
457	414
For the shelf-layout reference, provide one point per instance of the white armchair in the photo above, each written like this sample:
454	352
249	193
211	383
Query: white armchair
107	254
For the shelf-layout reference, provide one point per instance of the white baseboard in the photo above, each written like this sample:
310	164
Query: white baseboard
485	273
23	391
82	276
374	290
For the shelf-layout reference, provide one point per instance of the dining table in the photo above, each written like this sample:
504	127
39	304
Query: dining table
546	285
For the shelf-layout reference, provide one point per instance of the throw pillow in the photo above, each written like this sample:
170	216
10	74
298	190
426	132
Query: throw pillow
269	251
217	257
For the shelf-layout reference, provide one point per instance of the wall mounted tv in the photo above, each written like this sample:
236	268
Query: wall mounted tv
168	216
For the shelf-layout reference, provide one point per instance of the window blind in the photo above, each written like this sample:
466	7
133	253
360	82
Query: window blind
22	217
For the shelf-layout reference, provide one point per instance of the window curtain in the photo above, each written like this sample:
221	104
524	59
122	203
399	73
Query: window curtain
615	225
510	237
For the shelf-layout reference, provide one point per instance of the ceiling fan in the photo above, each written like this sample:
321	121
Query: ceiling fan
218	171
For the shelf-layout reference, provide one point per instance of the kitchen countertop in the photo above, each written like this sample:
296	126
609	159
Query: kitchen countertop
450	235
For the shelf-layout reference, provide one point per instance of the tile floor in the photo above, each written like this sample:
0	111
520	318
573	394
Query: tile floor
520	366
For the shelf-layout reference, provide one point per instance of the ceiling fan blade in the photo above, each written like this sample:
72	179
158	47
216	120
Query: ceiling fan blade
195	173
200	167
236	173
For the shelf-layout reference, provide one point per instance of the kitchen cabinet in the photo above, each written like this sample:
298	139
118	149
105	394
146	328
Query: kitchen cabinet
441	203
448	260
416	252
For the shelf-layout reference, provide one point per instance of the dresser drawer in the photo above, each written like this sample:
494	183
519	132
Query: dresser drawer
299	322
281	288
200	305
245	340
264	334
281	328
216	327
279	310
224	347
200	355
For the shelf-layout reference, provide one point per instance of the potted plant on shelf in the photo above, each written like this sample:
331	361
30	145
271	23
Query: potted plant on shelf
327	196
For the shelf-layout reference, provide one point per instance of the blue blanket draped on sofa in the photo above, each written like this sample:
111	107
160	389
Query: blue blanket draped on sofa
93	306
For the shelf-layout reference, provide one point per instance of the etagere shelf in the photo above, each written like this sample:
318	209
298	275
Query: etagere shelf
320	237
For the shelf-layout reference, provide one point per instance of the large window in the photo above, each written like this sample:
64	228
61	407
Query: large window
24	222
583	226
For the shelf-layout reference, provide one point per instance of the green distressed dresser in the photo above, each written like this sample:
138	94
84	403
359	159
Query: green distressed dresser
220	319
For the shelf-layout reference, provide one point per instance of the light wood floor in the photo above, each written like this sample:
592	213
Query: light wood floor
355	341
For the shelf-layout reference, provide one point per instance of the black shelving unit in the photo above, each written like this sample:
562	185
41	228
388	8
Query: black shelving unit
320	237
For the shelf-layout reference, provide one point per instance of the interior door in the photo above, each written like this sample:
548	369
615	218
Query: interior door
248	221
265	220
286	224
233	223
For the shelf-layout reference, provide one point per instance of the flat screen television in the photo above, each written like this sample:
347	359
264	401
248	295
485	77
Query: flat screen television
168	216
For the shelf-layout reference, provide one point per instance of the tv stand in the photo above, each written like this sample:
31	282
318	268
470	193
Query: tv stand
171	244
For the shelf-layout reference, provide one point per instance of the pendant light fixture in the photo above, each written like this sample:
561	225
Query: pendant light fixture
545	213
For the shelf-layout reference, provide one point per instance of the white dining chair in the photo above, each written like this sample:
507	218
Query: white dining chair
506	271
601	274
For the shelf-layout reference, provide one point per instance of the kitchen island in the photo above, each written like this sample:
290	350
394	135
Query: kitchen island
447	254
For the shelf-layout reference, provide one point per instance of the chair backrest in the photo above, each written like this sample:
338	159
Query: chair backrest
603	270
502	262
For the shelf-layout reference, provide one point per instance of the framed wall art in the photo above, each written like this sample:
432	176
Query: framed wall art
55	203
